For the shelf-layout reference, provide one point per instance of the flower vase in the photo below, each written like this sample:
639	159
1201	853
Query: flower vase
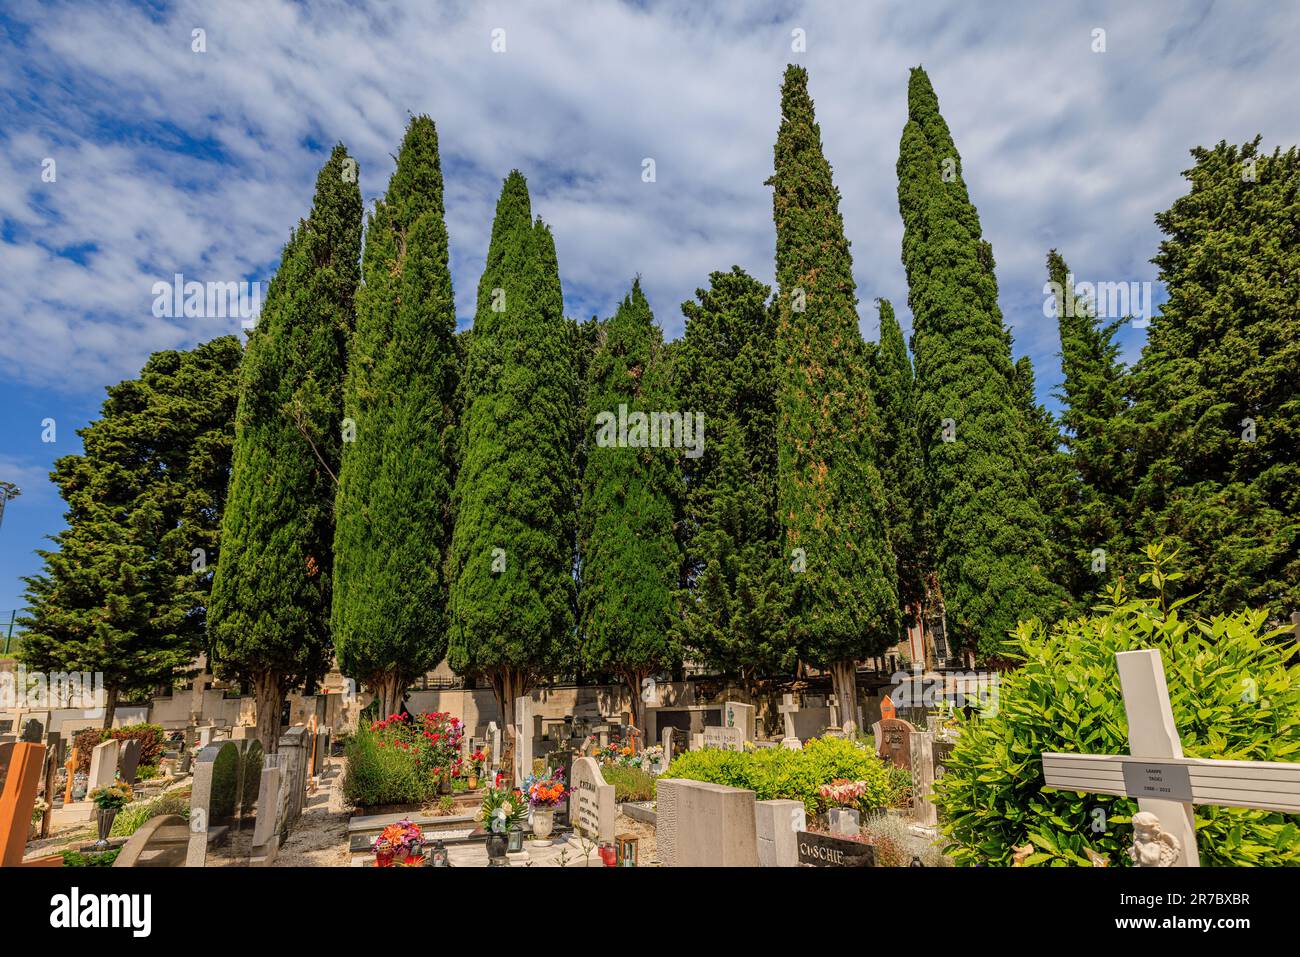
473	782
543	825
496	848
104	819
444	783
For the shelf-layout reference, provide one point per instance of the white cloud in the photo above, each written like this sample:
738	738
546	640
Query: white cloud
172	161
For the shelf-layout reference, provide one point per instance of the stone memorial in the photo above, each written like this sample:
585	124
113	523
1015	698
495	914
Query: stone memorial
825	850
523	735
103	765
921	751
778	825
788	709
591	805
726	739
128	760
737	714
700	824
895	744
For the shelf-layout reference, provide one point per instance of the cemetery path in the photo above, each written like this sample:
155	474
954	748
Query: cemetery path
320	839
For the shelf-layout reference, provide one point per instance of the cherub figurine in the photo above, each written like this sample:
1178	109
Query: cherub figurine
1152	845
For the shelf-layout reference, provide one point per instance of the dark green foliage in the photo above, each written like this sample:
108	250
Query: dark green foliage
271	596
1092	402
1226	348
830	497
125	592
733	606
1232	693
991	548
515	489
901	463
393	510
631	496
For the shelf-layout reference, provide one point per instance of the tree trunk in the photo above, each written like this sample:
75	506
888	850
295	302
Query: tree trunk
269	696
633	679
110	705
844	679
388	689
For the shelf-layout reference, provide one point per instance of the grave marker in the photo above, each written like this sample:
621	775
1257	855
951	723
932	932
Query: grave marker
591	804
788	709
523	732
726	739
700	824
823	850
128	760
103	765
1165	783
895	745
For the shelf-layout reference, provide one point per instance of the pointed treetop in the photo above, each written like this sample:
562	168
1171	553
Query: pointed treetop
416	185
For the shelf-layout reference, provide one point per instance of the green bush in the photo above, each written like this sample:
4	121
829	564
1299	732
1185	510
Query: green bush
1233	696
383	775
630	784
132	817
773	773
93	859
150	736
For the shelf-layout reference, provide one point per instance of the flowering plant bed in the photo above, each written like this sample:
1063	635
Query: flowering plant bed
400	842
842	792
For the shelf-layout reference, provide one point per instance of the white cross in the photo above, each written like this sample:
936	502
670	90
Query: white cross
1155	772
787	709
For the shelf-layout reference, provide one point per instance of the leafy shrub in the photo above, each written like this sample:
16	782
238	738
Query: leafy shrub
1233	696
84	741
773	773
101	859
630	784
150	736
895	845
132	817
378	773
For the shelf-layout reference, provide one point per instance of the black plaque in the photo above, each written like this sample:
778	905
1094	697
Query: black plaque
822	850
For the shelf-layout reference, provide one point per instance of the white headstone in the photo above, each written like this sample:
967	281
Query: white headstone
788	709
737	714
494	735
591	806
103	766
523	738
726	739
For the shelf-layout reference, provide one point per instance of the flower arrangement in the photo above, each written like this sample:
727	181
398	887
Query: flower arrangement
545	791
502	810
476	762
842	792
113	797
401	840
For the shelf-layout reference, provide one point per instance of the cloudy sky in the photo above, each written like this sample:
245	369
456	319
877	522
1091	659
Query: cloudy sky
168	160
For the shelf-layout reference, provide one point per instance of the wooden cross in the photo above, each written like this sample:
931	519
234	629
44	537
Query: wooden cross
1155	772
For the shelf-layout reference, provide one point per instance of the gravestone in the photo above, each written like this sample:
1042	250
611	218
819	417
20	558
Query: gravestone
103	765
778	825
33	730
162	841
214	801
128	760
825	850
700	824
523	733
923	775
666	742
21	763
494	734
726	739
591	805
737	714
788	709
895	745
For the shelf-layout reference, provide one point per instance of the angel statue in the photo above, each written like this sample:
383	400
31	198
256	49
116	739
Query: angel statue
1152	845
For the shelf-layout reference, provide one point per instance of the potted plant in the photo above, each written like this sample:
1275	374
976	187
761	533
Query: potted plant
544	793
501	812
475	768
844	796
108	801
402	843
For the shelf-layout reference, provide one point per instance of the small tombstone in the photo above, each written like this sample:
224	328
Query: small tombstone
33	731
921	748
737	714
895	742
523	733
591	807
887	709
128	760
666	739
726	739
103	765
824	850
494	734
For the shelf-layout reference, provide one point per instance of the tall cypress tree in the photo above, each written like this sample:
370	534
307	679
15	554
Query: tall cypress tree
991	538
631	497
511	564
1215	424
901	464
829	492
734	598
125	593
393	510
272	590
1092	404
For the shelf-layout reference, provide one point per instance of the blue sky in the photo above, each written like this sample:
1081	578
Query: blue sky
168	160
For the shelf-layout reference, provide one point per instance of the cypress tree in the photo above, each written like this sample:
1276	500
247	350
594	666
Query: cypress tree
631	496
272	591
901	464
732	606
991	548
125	593
830	497
511	566
1215	425
1092	404
393	510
